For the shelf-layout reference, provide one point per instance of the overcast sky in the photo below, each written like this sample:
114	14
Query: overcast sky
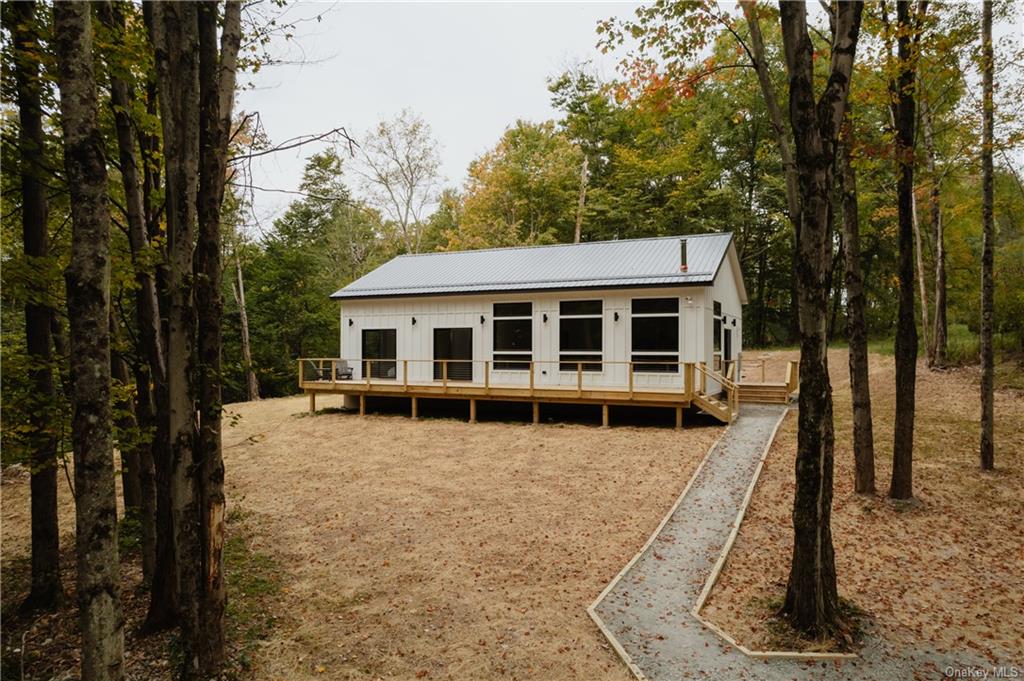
468	69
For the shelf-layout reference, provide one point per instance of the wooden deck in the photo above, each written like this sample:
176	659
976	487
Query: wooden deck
332	376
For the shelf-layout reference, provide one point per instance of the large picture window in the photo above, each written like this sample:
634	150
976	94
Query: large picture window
379	350
655	333
513	336
580	325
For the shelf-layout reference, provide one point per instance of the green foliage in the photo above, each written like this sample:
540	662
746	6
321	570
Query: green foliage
323	241
521	192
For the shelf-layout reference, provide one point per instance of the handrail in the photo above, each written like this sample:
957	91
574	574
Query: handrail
689	382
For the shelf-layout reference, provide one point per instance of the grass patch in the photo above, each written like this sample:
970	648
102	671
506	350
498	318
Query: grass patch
254	584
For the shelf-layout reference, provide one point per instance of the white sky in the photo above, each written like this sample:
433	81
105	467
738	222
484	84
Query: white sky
468	69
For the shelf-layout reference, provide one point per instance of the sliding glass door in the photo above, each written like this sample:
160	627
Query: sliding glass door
454	345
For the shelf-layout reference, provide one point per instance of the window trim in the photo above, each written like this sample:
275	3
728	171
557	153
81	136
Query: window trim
597	356
653	354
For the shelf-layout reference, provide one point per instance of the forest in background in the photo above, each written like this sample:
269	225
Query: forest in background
655	153
901	222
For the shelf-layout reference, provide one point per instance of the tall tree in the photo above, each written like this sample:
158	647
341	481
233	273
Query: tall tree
88	286
46	591
204	612
939	340
856	327
904	117
400	170
988	244
175	29
811	594
152	368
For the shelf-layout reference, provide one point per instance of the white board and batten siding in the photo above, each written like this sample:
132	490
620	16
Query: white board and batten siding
415	341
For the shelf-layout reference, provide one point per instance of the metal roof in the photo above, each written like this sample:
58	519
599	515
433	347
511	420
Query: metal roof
595	264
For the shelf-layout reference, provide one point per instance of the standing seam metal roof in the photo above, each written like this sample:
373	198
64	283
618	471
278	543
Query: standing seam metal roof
595	264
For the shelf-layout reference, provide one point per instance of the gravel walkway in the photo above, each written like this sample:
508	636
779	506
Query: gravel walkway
647	612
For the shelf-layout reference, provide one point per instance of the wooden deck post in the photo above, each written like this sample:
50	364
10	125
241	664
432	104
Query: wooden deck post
362	405
487	377
472	410
604	415
312	402
536	413
415	407
579	379
679	418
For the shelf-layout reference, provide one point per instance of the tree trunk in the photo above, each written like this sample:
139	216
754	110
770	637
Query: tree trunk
175	41
856	331
919	254
205	618
158	562
988	244
582	201
131	484
252	386
88	287
940	342
811	593
901	486
145	417
46	591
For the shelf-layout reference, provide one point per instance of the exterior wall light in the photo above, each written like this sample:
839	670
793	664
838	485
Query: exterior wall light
414	321
545	317
350	322
481	319
616	316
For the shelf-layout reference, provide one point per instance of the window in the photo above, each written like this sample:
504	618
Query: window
379	350
580	327
655	330
513	336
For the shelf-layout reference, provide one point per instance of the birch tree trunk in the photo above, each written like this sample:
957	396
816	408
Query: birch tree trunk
937	356
252	386
811	593
88	287
988	243
856	331
901	486
46	592
582	201
204	617
922	287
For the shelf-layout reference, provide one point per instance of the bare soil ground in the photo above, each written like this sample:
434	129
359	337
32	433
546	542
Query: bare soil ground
431	548
946	570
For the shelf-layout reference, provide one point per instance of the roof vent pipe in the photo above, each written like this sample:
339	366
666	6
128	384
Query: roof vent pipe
682	255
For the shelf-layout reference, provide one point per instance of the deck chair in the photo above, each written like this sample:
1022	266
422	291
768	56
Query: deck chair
342	371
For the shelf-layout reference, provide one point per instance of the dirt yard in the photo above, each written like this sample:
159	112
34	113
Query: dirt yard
945	571
434	548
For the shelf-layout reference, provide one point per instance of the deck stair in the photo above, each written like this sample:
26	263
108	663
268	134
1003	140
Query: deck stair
764	393
713	406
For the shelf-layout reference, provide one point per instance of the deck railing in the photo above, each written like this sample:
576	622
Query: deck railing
692	377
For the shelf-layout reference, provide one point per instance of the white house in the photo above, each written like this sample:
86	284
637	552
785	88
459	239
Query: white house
613	322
